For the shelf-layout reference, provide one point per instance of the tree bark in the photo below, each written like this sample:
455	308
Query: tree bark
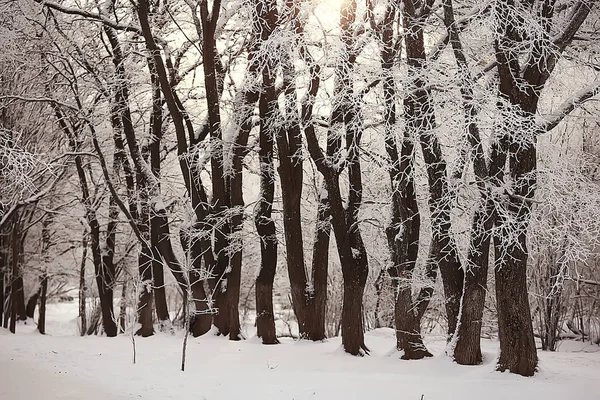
145	293
466	348
198	246
420	121
160	297
345	222
43	296
33	301
317	293
266	17
83	286
309	296
105	274
13	277
403	231
227	270
520	88
2	273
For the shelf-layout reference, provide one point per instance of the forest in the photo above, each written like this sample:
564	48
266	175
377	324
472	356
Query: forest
304	169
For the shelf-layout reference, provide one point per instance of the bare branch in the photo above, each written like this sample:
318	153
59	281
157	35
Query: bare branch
569	105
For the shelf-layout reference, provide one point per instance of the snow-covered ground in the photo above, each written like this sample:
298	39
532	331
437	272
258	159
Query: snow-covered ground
62	366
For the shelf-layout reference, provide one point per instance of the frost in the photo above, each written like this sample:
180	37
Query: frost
158	204
310	289
324	195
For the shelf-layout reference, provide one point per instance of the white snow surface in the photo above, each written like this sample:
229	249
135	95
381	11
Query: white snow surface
59	367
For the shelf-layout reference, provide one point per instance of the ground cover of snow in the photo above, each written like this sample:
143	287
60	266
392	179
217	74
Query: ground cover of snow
61	365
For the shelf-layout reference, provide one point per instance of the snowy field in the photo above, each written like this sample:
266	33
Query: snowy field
63	366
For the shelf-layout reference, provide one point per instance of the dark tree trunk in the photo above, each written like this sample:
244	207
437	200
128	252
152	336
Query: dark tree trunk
308	299
32	302
201	320
144	180
467	349
160	297
43	296
7	301
515	330
404	229
317	296
199	247
105	282
227	270
13	277
420	121
20	297
266	16
520	88
83	286
351	250
105	273
123	307
233	297
43	279
145	293
353	255
2	266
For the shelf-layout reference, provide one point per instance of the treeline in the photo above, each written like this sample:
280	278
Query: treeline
99	101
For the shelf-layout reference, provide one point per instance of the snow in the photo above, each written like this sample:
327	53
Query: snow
65	366
158	203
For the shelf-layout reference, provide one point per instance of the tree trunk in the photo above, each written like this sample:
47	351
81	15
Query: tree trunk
83	287
308	300
20	298
145	293
201	320
404	229
317	295
123	307
7	301
515	330
13	277
2	266
354	270
200	246
227	269
33	301
105	293
408	326
265	225
468	349
43	296
160	296
103	266
420	120
345	224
